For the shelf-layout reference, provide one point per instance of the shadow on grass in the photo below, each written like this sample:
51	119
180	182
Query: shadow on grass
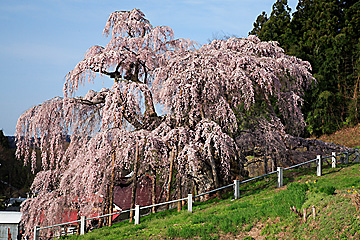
331	172
258	185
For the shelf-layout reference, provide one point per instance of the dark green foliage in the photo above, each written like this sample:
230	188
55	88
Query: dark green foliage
277	24
329	190
3	140
15	177
323	188
327	34
258	24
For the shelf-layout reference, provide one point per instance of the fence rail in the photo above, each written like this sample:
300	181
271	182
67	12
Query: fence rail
211	191
236	185
164	203
300	164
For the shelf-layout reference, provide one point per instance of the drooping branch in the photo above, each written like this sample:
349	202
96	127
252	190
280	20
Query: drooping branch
170	179
88	102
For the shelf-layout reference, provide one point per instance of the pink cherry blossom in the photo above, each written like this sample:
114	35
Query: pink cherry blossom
218	101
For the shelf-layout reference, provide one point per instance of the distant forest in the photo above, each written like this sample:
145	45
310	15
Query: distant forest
325	33
15	178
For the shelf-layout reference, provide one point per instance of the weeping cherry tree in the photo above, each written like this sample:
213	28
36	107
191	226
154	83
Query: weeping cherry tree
210	103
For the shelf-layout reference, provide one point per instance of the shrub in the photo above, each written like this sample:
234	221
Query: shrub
328	190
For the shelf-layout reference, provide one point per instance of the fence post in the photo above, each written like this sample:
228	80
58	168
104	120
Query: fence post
137	214
280	177
36	233
236	189
356	155
333	160
190	202
346	157
318	172
82	225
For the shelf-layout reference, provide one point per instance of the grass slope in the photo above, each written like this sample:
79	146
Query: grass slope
262	212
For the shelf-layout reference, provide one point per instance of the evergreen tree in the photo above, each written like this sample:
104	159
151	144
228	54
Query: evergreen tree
274	27
315	26
15	178
351	62
3	140
258	24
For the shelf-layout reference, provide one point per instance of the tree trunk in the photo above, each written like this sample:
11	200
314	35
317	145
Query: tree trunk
153	191
106	205
172	156
102	220
355	99
265	163
194	191
111	190
78	223
133	192
273	163
161	194
65	229
179	203
213	168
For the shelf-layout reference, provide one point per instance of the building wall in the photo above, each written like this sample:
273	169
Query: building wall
122	195
4	231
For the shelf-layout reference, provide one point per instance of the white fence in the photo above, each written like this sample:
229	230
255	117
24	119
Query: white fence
319	159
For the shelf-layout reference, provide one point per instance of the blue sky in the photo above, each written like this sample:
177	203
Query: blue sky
43	40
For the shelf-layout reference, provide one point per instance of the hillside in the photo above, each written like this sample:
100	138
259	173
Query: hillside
349	137
262	212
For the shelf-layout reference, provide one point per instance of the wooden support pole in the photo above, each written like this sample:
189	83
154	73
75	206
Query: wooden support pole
179	203
153	191
111	189
168	193
78	224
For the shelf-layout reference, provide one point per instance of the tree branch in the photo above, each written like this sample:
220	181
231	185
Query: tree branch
88	102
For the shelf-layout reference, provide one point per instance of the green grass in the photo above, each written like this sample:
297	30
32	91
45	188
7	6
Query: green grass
263	211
